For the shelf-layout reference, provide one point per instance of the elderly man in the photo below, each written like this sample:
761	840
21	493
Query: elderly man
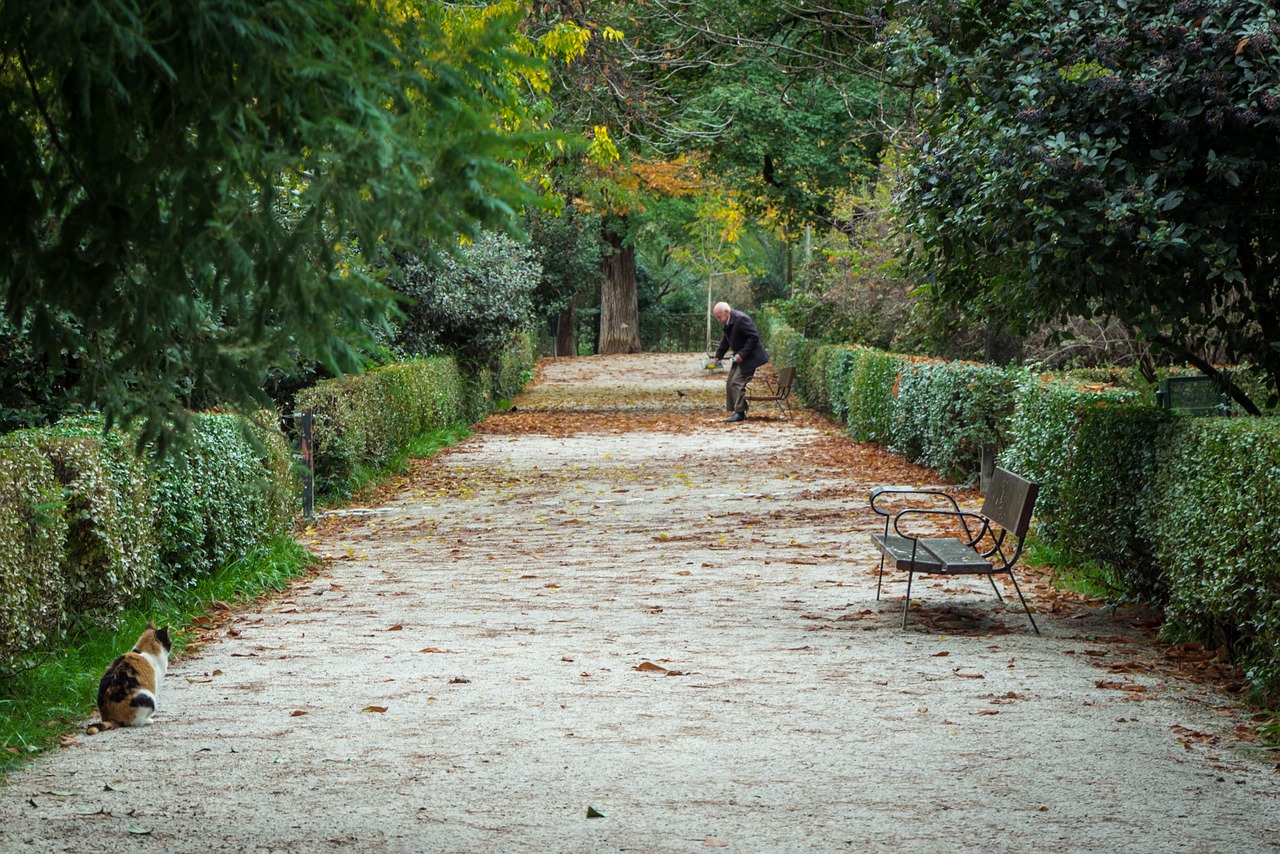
742	337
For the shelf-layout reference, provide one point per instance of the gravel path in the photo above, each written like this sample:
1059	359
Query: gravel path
608	622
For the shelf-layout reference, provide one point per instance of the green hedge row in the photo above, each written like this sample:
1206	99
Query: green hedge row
363	421
86	524
1179	511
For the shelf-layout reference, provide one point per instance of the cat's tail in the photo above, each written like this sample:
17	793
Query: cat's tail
101	726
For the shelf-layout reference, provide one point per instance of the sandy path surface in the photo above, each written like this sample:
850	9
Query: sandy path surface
607	602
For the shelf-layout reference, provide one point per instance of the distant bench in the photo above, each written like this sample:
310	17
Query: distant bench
1001	524
778	392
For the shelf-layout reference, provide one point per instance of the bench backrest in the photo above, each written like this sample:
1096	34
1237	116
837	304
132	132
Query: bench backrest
786	376
1009	502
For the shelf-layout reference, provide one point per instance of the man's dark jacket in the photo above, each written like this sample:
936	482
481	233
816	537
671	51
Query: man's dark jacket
742	337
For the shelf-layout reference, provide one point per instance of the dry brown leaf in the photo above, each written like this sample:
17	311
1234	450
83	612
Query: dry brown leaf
434	649
378	709
297	713
397	627
650	667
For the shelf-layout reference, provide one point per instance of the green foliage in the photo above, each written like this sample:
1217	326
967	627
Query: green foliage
110	552
233	487
791	152
185	183
1113	158
1107	500
469	301
1218	482
56	694
946	412
363	421
870	396
33	528
840	363
1044	431
94	526
568	247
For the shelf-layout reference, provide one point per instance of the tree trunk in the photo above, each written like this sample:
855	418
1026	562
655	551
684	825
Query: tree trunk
619	304
567	333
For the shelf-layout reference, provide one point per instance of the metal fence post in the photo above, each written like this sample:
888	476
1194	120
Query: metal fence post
306	420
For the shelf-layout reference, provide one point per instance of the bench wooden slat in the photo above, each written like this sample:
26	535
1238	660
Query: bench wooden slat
934	555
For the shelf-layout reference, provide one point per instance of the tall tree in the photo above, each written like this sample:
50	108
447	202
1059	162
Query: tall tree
187	183
1115	158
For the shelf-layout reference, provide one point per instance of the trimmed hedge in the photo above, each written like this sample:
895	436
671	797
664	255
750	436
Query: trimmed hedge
86	524
363	421
1218	541
33	531
1175	510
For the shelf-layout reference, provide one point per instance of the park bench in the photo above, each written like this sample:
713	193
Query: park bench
990	540
776	391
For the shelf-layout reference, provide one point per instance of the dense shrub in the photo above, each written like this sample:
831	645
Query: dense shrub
233	488
1218	481
33	530
1107	498
363	421
869	399
469	301
946	412
1044	432
111	553
87	524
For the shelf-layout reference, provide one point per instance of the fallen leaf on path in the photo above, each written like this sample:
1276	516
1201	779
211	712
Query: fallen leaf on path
297	713
378	709
942	654
397	627
592	812
434	649
715	843
650	667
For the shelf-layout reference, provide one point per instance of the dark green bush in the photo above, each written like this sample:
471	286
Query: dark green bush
1107	498
469	301
232	489
363	421
944	413
869	399
1044	431
1218	481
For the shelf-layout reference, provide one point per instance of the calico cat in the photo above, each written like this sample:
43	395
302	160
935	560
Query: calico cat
127	692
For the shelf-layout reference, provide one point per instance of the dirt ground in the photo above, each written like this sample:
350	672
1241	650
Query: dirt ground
609	622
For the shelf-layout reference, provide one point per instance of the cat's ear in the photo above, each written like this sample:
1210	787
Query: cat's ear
151	624
163	635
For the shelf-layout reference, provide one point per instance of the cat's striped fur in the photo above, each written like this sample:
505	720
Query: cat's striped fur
128	690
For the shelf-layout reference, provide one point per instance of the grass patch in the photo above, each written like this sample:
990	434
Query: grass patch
40	705
1071	572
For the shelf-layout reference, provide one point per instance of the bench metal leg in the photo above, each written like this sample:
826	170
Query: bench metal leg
907	604
992	579
1025	607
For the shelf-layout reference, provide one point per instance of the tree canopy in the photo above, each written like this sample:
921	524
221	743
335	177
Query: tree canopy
1114	157
195	189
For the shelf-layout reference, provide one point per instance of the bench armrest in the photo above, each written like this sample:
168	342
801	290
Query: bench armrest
893	491
981	523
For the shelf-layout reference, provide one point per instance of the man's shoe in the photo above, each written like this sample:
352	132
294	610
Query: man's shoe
736	417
